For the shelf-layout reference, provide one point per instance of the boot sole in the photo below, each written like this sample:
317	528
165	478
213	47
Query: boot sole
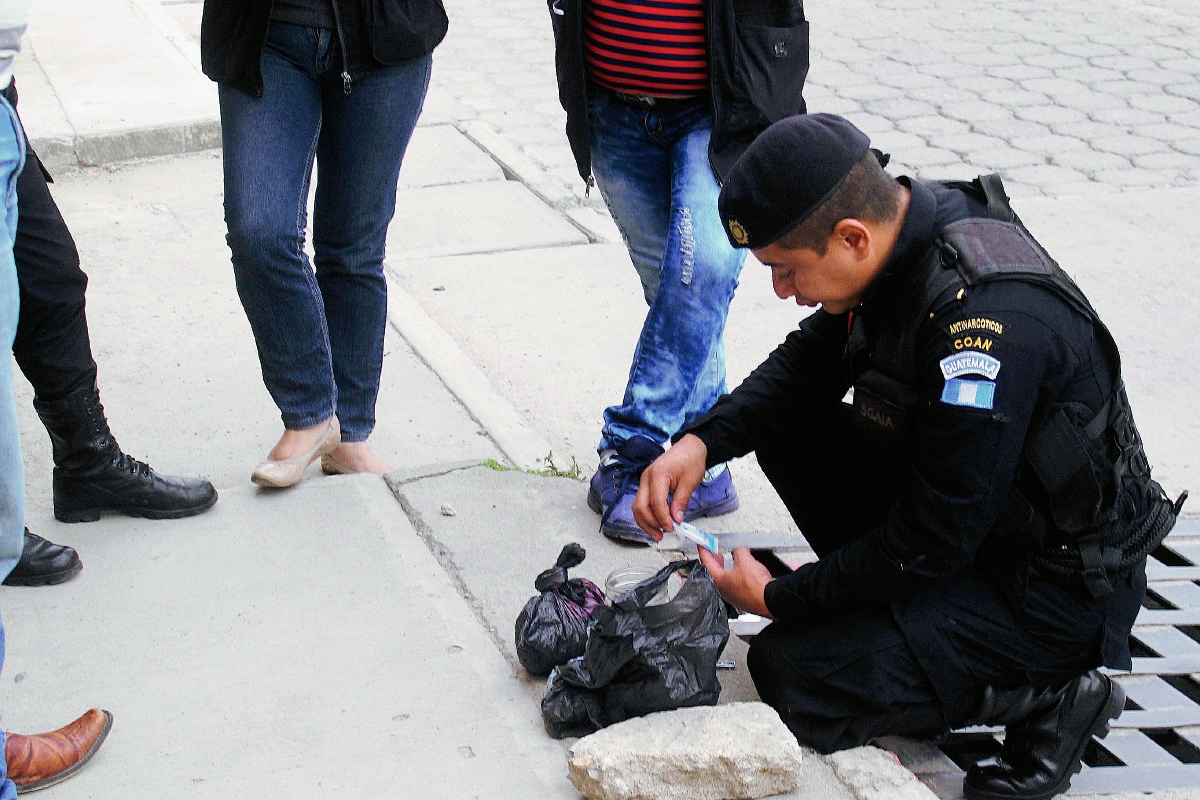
1101	725
93	513
74	768
46	579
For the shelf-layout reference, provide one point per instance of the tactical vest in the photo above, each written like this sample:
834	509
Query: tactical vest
1094	512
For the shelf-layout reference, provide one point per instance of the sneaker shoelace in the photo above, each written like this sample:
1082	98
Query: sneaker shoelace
629	470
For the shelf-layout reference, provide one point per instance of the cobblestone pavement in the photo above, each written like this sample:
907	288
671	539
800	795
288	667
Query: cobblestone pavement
1059	96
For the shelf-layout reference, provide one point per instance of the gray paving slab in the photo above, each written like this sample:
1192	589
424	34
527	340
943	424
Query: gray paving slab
286	644
440	154
486	217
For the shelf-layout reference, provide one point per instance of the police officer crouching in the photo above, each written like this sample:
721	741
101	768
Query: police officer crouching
983	509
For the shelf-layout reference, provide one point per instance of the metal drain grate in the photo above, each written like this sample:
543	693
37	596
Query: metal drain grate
1155	744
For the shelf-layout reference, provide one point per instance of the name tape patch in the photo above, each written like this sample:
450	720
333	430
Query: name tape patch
970	394
970	363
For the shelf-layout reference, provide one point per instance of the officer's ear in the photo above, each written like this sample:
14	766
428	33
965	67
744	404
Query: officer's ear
852	237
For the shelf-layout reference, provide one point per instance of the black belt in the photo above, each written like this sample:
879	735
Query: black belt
646	100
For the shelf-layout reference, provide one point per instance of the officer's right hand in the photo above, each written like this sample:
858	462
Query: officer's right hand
667	485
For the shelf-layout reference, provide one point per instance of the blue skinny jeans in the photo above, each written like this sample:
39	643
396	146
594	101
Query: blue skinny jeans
652	169
318	328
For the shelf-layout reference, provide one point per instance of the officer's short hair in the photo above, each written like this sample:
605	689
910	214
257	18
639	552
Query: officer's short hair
868	194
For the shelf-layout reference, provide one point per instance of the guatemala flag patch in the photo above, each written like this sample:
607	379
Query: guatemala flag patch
971	394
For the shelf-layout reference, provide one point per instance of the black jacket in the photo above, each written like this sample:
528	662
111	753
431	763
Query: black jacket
966	451
232	34
757	63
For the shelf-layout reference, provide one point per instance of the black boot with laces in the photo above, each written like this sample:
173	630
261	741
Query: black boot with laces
92	475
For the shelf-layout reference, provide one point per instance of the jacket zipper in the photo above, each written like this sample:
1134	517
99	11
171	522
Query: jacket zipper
337	23
712	93
577	24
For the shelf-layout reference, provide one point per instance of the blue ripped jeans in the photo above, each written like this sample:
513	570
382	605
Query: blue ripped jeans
652	168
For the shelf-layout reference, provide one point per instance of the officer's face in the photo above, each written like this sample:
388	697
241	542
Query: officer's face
836	281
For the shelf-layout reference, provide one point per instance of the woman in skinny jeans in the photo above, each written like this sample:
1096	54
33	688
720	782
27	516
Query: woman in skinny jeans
340	82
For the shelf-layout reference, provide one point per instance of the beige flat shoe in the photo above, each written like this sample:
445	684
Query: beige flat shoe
331	466
281	474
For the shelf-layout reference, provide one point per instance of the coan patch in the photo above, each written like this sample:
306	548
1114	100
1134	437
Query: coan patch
970	362
970	394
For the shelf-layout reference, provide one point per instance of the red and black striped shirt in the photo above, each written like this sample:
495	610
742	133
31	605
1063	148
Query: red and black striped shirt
653	47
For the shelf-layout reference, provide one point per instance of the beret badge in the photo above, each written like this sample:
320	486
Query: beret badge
738	232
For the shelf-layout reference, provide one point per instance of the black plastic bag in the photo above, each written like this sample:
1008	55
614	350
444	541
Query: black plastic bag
642	658
553	627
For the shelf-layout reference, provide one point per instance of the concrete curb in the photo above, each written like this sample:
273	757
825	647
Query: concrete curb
517	439
107	148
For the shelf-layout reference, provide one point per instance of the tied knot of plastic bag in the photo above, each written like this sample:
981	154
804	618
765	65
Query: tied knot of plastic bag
553	627
641	658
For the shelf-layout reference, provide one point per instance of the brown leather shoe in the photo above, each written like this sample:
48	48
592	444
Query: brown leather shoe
35	762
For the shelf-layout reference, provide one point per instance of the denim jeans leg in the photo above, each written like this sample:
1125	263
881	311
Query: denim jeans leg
632	167
269	144
362	144
678	368
12	469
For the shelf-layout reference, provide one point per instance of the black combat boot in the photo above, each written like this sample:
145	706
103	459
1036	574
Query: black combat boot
92	475
44	563
1046	732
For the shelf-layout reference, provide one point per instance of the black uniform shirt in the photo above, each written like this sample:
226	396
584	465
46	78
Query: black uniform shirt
985	363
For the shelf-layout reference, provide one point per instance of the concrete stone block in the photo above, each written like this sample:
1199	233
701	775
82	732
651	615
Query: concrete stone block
1090	161
1015	98
1019	72
1139	177
935	126
741	750
1004	158
1127	116
1049	145
876	774
1049	114
1011	128
1054	60
1190	90
1163	103
974	111
1159	77
900	108
1092	101
1168	161
1129	145
1180	62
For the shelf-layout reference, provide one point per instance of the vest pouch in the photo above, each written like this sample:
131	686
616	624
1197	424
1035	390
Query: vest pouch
1060	459
883	408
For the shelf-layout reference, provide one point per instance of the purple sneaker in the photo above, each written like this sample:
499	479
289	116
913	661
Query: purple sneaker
713	499
615	485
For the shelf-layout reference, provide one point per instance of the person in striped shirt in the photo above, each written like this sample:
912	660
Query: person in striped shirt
655	111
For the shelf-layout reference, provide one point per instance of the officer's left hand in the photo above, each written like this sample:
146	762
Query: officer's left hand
743	585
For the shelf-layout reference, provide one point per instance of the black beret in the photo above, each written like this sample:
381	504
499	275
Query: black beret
789	171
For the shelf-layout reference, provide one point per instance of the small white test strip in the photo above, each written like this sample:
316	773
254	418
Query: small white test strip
697	536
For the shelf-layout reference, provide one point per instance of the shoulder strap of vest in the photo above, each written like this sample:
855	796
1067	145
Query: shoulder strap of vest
967	253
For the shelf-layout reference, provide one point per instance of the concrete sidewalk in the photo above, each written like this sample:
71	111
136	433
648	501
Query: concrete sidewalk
348	637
